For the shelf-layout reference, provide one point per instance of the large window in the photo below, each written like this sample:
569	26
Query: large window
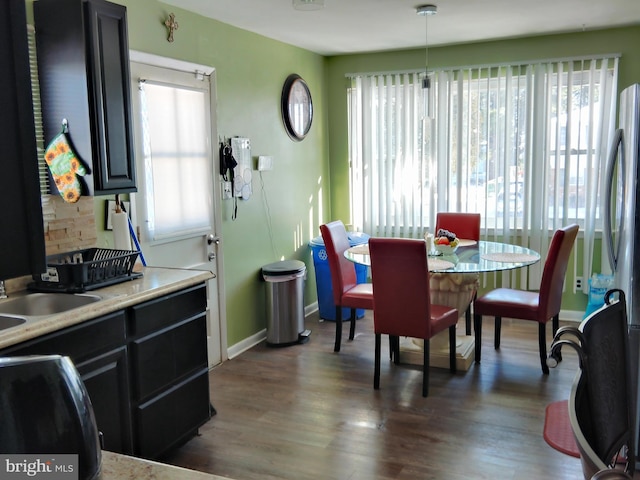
523	145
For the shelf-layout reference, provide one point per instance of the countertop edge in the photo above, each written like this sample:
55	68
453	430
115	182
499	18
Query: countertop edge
154	283
116	466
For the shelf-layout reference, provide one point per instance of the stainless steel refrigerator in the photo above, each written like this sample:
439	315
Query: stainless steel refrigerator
622	224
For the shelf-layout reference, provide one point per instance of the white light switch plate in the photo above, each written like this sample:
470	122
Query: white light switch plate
265	162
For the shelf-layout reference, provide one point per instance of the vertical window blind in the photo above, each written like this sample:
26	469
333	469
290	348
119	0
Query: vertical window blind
37	110
521	144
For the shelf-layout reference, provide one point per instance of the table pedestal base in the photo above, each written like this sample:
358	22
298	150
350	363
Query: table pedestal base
411	352
456	291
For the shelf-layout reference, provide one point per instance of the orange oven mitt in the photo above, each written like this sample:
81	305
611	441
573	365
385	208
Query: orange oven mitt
64	166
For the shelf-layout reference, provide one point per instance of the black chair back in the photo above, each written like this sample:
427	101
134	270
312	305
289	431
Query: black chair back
600	403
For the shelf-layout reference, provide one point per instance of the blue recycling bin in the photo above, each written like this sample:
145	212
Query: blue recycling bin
323	276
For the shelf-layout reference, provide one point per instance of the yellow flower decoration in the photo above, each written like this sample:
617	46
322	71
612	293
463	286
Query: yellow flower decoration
71	195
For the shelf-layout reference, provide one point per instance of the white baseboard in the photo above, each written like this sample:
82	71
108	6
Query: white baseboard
309	309
253	340
246	344
571	315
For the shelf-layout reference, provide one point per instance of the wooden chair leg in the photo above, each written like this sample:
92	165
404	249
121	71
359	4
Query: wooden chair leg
336	348
376	372
352	328
542	341
477	328
425	369
452	349
496	340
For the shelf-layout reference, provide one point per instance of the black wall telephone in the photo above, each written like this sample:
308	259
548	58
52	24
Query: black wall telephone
227	162
227	166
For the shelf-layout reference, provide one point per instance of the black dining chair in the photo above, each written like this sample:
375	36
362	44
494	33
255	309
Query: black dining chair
600	407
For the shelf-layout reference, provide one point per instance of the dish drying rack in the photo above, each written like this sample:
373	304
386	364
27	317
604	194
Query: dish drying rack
83	270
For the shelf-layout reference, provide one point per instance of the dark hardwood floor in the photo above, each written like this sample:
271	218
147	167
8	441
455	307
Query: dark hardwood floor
305	412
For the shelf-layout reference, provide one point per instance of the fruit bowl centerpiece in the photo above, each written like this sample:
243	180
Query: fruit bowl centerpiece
445	241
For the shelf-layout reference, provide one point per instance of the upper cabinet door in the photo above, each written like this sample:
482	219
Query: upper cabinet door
109	57
21	229
84	78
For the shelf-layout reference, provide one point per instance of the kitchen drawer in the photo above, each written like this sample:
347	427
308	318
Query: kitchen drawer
168	310
78	342
168	355
171	418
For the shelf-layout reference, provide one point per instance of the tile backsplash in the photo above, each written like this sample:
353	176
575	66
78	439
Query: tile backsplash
67	227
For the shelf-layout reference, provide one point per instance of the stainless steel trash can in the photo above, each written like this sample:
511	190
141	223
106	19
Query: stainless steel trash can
285	302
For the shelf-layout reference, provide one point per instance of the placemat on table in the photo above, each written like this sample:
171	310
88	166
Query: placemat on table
438	264
508	257
360	249
465	242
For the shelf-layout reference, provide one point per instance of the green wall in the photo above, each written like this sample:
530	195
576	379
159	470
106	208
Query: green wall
309	182
622	41
251	71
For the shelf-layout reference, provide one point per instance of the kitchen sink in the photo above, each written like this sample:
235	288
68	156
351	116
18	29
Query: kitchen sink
8	322
38	304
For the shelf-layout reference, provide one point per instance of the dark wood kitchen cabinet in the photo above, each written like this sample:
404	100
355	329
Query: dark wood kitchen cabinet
21	228
145	369
169	370
83	64
106	378
97	349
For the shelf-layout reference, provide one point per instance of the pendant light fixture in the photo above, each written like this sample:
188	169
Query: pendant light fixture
426	11
308	4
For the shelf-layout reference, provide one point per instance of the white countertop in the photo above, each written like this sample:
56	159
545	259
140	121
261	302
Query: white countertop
154	283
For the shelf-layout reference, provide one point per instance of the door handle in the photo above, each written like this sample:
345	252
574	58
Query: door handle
213	239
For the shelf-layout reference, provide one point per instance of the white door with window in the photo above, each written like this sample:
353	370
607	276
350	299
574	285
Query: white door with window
176	210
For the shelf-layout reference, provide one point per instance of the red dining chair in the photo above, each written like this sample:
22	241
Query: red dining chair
346	291
525	305
401	300
464	225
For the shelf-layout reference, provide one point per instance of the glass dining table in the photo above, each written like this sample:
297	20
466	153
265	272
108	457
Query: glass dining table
469	257
453	282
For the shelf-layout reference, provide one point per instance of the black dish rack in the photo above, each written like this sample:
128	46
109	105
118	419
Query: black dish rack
83	270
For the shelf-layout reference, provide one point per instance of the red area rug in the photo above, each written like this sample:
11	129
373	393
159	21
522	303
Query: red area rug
557	429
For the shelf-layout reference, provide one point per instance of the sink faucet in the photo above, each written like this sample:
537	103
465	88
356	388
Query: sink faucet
3	291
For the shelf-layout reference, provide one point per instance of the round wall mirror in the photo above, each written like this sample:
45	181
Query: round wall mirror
297	107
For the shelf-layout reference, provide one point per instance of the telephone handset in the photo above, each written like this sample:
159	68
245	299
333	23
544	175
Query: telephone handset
227	170
227	162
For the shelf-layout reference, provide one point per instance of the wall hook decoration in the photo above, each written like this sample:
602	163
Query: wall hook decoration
172	25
